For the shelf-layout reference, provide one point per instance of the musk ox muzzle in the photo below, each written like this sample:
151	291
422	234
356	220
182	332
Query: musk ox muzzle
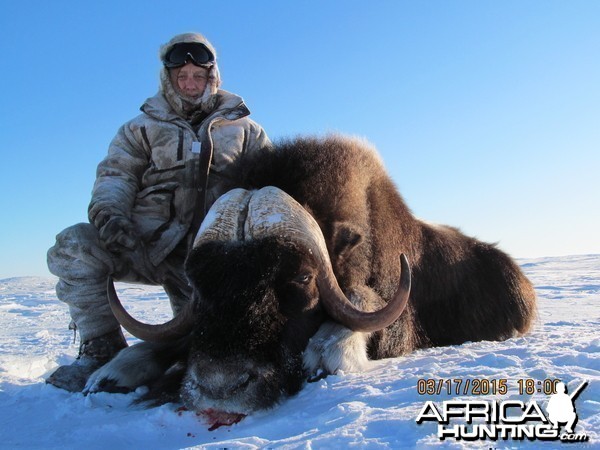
263	284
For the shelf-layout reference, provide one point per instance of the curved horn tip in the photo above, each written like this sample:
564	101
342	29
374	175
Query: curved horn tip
405	265
172	330
343	311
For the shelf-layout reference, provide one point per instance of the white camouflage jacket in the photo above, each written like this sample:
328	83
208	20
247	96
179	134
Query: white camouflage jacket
151	174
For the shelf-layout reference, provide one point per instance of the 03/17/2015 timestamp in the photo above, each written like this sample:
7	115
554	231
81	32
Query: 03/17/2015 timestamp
484	386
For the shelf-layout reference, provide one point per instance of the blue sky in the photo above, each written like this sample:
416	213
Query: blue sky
487	114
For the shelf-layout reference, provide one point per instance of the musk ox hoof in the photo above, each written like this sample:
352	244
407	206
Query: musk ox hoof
335	348
133	367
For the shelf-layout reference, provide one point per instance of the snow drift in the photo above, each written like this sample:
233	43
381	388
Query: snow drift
373	409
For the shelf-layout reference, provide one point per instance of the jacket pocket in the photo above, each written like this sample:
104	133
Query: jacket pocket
153	210
168	150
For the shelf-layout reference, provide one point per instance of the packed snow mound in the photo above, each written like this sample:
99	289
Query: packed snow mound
373	409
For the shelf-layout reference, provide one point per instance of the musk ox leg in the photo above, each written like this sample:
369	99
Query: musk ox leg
135	366
334	348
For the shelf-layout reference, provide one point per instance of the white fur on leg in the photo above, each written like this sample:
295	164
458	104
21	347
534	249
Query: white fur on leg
132	367
335	347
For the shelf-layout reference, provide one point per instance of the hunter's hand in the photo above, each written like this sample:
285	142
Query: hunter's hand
118	234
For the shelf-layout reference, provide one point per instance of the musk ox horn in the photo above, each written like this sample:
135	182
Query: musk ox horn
178	327
222	223
272	211
240	215
342	310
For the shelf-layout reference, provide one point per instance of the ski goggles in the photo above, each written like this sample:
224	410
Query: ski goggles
186	52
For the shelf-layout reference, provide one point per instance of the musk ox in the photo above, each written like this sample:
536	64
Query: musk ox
297	272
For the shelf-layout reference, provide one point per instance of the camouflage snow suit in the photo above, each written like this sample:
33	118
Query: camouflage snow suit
150	176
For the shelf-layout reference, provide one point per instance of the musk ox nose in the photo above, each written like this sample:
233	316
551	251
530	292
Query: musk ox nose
219	384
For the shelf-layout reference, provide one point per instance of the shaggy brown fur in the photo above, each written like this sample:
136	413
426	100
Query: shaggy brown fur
462	289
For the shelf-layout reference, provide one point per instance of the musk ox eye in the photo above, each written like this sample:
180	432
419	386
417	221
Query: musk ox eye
303	278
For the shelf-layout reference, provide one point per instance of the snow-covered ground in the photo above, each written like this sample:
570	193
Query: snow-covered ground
374	409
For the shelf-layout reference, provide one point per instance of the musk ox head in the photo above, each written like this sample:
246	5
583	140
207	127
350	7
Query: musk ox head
263	284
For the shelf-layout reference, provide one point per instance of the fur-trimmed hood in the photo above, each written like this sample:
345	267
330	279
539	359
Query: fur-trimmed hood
186	106
227	105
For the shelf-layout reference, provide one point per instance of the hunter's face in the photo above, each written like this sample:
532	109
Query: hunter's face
189	80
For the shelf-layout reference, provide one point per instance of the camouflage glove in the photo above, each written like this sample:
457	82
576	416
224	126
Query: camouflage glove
118	234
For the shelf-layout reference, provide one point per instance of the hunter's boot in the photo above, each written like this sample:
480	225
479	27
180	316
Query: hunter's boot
93	354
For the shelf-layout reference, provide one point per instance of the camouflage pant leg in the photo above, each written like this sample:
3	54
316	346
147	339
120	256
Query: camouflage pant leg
177	287
83	264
